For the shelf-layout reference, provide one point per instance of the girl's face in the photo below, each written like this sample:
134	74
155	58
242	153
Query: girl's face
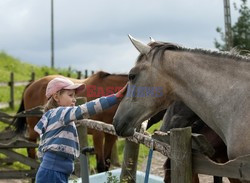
65	98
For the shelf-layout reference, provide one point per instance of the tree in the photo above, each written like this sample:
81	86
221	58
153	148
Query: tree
240	31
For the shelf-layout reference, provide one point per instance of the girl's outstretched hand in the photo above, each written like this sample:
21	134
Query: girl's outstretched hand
120	94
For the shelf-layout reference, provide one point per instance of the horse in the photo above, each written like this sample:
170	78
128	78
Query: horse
155	119
97	85
178	115
215	85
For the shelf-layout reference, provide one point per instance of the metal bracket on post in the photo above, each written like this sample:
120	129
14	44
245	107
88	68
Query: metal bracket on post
84	163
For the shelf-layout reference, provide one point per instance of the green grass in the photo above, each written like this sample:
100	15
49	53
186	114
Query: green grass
5	93
18	165
23	70
2	126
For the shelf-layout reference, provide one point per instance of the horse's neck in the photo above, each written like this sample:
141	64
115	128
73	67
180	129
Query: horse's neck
213	88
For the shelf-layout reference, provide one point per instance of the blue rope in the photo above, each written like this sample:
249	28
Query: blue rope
150	155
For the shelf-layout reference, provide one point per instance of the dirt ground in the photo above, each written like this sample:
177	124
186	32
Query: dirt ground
13	181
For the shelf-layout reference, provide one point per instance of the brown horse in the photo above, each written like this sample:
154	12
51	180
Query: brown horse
99	84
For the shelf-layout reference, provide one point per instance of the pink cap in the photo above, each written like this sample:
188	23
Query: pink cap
59	83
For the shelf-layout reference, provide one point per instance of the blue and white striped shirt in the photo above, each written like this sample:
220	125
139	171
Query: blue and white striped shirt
57	129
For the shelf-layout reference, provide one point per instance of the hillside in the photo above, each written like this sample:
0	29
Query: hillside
23	70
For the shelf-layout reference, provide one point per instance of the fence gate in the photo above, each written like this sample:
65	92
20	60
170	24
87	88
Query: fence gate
9	141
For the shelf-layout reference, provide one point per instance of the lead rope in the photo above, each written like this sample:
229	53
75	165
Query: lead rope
150	155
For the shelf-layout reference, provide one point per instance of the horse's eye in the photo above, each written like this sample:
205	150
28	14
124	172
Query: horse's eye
131	77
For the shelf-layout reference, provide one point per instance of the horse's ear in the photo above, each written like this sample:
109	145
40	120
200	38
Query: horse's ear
141	47
151	39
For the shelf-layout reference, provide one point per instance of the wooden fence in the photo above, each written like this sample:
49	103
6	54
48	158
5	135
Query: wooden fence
176	144
12	84
10	141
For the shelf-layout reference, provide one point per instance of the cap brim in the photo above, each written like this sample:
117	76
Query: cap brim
80	88
77	87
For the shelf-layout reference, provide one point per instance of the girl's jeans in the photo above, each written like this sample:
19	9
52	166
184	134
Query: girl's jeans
50	176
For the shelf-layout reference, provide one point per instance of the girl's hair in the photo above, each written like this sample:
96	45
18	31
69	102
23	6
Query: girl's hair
52	103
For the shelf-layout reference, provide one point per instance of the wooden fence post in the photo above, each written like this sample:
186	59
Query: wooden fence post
114	156
130	159
86	73
33	76
129	164
11	84
181	155
82	135
79	74
83	139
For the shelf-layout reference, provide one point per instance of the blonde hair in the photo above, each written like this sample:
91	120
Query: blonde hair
52	103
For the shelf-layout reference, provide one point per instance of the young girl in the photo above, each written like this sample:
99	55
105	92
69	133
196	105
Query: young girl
59	144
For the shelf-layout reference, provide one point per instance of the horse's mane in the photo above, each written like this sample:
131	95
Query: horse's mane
160	47
103	74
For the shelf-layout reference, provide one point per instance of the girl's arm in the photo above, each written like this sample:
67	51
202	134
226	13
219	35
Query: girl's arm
92	107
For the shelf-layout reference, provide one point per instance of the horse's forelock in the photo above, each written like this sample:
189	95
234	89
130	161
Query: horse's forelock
158	48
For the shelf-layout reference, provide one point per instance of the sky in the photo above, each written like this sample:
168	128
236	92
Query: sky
92	34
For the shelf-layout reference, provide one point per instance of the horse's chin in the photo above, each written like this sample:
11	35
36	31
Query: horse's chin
122	128
127	133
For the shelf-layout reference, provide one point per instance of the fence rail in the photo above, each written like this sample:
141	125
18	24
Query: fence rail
137	138
12	84
16	83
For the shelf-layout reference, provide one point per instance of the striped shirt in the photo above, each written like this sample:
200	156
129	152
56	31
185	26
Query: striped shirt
57	128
